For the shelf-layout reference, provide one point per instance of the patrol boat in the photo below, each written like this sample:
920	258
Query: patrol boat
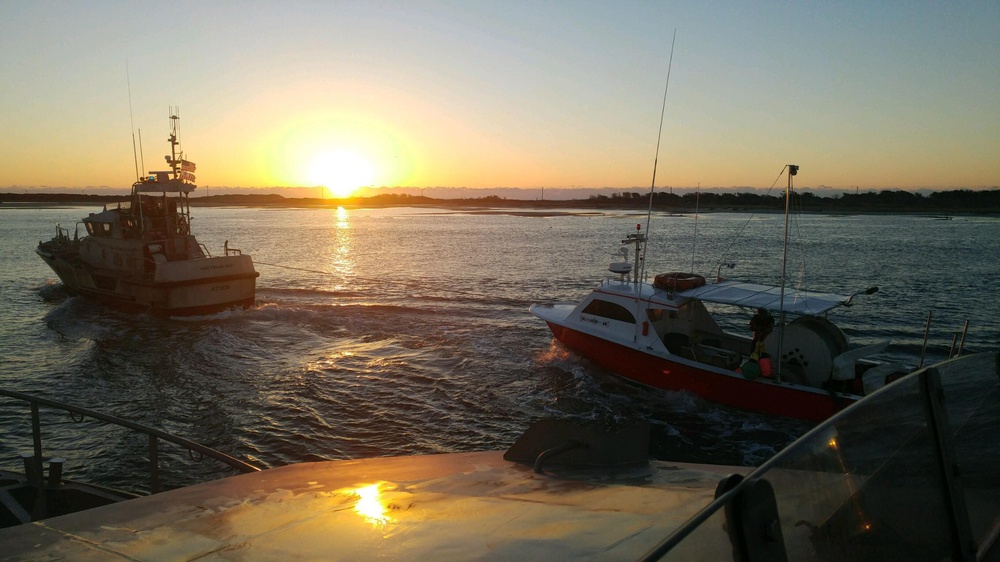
140	254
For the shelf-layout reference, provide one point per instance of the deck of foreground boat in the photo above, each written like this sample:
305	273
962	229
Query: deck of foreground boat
464	505
907	473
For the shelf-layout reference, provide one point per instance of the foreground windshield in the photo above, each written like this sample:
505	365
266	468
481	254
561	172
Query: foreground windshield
909	473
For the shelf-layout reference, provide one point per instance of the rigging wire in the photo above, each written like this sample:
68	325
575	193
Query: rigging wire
641	274
797	203
747	223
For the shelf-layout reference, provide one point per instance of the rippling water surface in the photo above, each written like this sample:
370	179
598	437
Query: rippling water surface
405	331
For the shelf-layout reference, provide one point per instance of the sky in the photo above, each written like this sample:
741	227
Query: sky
483	94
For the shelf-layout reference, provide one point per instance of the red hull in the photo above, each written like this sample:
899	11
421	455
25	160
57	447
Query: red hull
738	392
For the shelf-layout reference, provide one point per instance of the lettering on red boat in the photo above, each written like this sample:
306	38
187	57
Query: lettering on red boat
594	321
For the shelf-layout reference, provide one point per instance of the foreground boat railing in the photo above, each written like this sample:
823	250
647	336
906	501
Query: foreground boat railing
34	462
909	473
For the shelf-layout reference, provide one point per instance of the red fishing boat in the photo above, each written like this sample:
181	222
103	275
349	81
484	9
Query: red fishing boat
661	334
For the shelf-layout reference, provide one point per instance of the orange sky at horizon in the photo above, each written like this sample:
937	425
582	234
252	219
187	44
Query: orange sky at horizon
503	95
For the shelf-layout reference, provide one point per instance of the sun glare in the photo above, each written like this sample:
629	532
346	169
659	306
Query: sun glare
340	172
369	504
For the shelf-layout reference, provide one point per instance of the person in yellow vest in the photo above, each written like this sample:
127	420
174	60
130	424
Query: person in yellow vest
762	324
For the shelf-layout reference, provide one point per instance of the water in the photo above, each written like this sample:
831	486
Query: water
401	331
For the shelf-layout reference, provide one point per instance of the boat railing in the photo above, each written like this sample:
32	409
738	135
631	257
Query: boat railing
34	461
231	251
62	234
908	473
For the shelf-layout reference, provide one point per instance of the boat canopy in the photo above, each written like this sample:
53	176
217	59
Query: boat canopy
766	297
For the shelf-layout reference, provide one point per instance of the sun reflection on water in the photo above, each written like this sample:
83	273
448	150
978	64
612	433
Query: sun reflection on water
340	258
342	218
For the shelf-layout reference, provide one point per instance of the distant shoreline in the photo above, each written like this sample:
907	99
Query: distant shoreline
963	202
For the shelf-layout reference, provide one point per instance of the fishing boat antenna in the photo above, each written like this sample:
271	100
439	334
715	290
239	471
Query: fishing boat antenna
641	269
792	171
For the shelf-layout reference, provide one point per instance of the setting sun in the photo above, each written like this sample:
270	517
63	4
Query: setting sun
340	172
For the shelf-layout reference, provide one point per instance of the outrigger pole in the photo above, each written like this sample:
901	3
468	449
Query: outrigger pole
641	266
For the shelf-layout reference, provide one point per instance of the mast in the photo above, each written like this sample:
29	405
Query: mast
639	240
792	170
182	169
174	162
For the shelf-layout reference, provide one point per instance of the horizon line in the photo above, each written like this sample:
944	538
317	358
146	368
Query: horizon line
24	188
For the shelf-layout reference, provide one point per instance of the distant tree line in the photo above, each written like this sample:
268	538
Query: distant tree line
963	200
59	198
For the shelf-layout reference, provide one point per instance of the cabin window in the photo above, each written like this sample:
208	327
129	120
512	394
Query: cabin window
102	229
609	310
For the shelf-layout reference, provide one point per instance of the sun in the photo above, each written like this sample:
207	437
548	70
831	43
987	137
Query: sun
341	172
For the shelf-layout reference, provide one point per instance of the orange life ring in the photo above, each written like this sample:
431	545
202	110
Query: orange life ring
677	281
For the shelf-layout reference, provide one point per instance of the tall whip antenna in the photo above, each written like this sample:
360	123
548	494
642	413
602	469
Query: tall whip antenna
131	122
649	211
